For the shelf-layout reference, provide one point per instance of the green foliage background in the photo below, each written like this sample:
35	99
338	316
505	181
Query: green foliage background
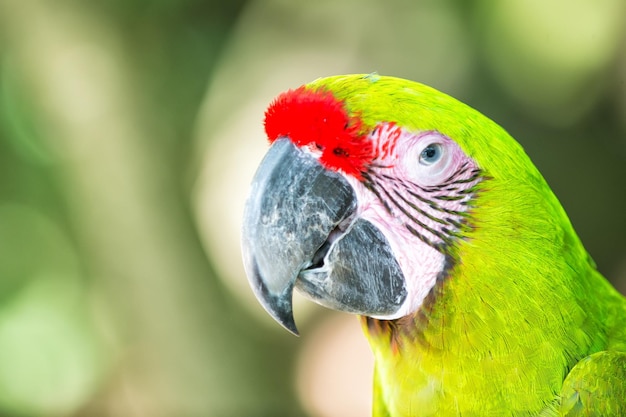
109	303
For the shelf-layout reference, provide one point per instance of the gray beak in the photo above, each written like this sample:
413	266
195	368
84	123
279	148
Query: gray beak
300	230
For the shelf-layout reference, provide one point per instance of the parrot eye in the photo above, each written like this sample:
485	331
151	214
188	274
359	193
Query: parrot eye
430	157
430	154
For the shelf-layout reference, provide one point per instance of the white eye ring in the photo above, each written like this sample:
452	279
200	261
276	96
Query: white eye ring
431	154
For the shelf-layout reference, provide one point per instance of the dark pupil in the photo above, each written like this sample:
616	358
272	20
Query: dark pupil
429	152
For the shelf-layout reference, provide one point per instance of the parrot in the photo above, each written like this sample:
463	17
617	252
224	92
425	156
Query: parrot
388	199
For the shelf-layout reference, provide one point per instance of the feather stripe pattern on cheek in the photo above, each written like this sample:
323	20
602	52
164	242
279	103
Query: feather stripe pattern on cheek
436	212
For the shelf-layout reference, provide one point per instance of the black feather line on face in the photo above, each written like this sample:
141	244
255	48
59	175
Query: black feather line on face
449	197
421	237
419	210
462	169
402	198
410	186
411	217
369	184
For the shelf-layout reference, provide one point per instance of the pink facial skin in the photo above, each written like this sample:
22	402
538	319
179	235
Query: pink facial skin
419	203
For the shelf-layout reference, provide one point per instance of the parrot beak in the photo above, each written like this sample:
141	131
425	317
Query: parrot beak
300	229
293	206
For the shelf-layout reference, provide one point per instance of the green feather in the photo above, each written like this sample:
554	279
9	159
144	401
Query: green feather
523	324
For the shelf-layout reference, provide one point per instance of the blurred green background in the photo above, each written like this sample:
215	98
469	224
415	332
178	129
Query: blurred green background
129	132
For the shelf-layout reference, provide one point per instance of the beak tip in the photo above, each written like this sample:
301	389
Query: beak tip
289	324
279	306
280	309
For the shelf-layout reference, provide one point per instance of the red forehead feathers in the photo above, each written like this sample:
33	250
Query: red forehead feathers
317	119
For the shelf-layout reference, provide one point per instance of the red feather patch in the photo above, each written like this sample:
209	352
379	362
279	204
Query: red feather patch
315	118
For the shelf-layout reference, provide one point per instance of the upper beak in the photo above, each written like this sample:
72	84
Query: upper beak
300	229
294	204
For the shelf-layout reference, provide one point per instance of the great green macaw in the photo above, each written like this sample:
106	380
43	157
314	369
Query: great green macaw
391	200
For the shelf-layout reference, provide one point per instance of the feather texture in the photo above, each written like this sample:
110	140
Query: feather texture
520	308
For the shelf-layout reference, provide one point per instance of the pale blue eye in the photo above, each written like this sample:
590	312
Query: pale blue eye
431	154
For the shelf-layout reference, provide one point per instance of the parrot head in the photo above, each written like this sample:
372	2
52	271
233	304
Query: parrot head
369	190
